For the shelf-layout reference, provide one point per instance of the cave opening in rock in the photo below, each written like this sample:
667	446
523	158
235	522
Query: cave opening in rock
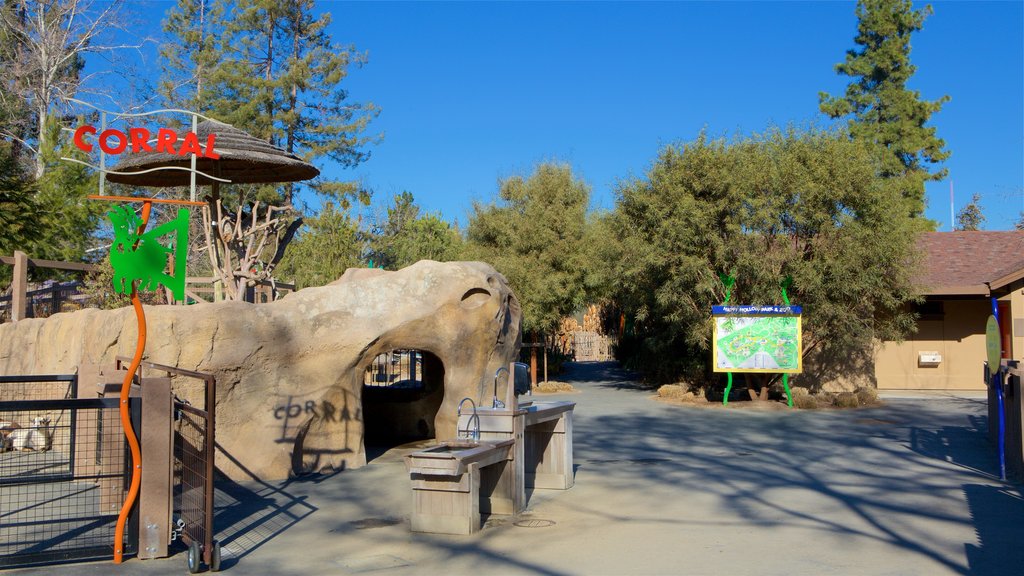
402	391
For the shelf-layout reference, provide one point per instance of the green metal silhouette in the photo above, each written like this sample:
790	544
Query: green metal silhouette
143	257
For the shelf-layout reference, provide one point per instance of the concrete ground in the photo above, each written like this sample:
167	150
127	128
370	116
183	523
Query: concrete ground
906	488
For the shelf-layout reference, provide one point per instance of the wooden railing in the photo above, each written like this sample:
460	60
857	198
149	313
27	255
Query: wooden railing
20	295
65	296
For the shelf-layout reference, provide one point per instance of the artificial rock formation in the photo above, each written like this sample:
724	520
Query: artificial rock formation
290	373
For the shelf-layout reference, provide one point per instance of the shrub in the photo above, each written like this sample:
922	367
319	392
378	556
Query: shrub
552	386
846	400
804	402
867	396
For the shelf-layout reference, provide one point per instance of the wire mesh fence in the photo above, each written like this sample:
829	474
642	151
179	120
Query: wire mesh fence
62	473
396	369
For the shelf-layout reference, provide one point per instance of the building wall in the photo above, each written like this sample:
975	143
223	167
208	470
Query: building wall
1016	299
959	337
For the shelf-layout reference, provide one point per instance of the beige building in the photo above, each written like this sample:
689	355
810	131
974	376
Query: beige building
962	272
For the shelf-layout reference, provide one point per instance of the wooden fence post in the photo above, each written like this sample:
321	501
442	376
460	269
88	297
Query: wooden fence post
19	306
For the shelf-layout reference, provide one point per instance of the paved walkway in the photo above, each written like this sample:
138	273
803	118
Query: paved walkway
904	489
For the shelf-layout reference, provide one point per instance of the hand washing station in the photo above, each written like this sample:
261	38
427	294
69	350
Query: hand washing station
501	451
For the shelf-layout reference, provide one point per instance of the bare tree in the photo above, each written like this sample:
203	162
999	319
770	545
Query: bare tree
48	41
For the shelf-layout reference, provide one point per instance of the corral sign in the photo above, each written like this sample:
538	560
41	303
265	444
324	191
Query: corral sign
757	339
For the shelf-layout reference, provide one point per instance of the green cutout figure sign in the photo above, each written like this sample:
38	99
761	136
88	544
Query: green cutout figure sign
143	257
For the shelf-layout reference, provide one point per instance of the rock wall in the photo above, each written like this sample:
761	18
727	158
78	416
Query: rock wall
290	373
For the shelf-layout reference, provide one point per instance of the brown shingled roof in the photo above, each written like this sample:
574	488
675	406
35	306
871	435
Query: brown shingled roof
962	262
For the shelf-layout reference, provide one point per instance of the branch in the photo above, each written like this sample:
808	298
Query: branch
289	234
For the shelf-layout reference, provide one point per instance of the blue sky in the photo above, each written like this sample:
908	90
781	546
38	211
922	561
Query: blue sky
474	92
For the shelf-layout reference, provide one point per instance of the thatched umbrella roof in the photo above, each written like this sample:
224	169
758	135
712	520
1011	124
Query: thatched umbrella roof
244	159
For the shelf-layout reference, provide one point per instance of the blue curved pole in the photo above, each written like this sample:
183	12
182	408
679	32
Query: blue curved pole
997	375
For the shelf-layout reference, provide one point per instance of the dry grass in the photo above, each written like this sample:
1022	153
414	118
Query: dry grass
846	400
551	387
805	402
680	393
867	396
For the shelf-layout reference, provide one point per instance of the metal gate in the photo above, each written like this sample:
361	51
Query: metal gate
190	470
63	472
591	346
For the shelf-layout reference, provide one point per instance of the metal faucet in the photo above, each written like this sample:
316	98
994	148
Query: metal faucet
474	434
498	403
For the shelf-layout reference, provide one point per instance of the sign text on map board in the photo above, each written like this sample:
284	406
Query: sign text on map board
757	339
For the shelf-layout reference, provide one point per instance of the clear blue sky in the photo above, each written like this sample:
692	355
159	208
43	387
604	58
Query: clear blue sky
474	92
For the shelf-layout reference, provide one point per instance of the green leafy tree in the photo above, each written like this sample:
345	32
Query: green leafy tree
805	204
535	235
330	244
882	110
971	217
406	236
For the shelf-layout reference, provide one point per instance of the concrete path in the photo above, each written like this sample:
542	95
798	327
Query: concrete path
904	489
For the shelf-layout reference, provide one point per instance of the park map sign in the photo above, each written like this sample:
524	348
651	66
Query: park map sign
757	339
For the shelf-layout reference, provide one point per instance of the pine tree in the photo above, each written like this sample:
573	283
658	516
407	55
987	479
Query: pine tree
535	235
971	217
405	236
270	68
189	62
884	111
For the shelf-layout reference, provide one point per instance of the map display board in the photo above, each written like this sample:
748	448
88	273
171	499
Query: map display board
757	339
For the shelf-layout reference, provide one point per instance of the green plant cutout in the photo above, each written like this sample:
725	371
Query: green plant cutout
142	257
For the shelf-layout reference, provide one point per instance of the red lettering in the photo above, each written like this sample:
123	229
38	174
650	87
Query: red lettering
140	139
122	141
190	145
165	139
209	152
80	140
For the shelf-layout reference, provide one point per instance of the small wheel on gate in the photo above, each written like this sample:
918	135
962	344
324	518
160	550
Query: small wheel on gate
194	558
215	557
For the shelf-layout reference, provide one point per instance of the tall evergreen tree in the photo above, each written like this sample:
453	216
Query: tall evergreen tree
883	110
271	68
405	236
971	217
535	236
19	211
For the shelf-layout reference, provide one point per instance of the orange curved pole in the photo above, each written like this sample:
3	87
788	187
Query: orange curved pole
126	421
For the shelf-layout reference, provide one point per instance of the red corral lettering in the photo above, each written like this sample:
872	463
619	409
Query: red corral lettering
80	137
140	139
209	152
190	145
122	141
165	138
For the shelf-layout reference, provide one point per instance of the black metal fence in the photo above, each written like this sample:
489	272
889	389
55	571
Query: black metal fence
51	298
396	369
63	473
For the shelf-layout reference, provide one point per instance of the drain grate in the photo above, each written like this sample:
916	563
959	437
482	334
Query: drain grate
534	523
